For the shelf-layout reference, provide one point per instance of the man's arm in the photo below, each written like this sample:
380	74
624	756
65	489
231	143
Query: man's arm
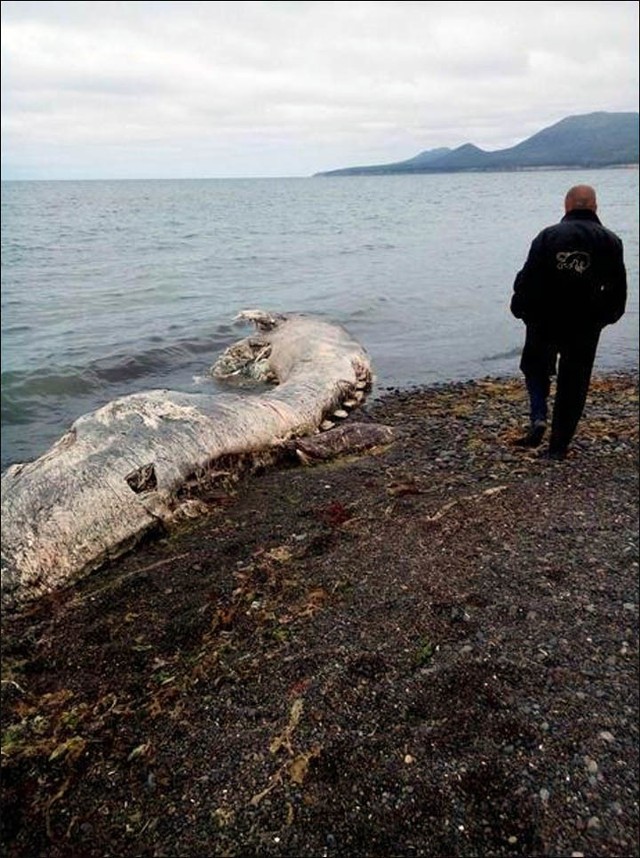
615	290
526	288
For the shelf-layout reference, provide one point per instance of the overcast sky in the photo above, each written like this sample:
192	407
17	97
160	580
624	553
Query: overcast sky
223	89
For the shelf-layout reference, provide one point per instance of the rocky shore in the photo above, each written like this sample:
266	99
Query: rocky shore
427	650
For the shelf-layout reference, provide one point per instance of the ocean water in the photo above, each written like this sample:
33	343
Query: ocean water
113	287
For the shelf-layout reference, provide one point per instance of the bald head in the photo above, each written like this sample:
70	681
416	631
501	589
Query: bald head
580	197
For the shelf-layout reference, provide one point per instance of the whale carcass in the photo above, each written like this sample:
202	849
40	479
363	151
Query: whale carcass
118	472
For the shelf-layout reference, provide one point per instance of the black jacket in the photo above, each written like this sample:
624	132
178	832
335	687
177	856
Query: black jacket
574	274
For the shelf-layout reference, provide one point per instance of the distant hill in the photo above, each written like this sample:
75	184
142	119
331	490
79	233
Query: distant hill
590	140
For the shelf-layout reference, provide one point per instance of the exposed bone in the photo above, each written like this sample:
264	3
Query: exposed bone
349	438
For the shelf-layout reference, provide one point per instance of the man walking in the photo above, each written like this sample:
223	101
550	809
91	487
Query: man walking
573	283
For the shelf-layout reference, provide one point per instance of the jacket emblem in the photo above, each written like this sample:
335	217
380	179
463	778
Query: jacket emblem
578	260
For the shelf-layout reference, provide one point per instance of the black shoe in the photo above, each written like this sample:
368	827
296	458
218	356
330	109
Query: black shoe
534	436
555	454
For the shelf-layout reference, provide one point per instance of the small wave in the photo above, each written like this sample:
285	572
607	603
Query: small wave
22	386
125	367
26	391
17	329
511	353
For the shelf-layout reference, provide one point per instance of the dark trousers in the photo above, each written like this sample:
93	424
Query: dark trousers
570	356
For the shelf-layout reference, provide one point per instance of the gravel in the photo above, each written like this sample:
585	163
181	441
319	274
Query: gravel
427	650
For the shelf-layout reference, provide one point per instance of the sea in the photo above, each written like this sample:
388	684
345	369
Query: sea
115	287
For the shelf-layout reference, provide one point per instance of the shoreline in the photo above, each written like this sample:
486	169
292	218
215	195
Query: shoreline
427	650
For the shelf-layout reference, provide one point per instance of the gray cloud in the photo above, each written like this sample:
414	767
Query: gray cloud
111	89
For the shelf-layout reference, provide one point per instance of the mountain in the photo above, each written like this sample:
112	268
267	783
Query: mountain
590	140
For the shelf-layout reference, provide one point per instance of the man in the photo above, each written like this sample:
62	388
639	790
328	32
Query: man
573	283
